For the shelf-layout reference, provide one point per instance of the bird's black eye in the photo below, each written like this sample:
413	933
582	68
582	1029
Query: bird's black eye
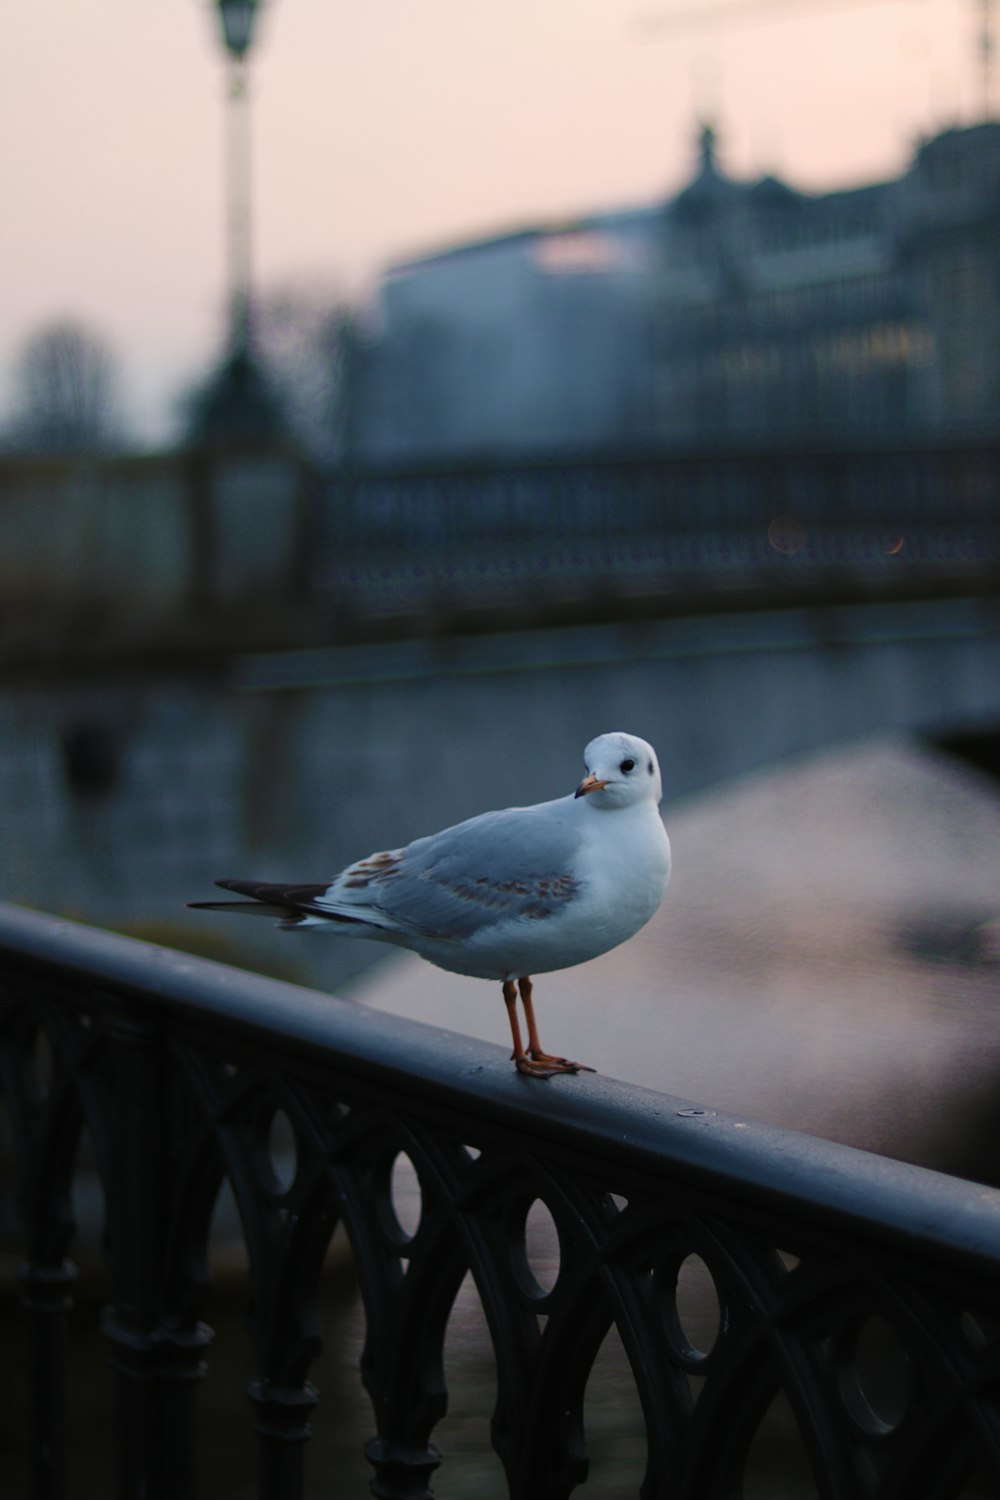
626	766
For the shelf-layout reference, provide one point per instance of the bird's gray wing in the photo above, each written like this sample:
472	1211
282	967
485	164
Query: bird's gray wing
498	866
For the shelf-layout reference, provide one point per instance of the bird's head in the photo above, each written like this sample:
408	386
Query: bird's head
621	770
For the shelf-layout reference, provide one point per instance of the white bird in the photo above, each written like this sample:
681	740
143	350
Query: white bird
506	894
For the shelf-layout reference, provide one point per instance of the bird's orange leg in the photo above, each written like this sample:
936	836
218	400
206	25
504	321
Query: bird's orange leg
524	1063
510	1000
537	1063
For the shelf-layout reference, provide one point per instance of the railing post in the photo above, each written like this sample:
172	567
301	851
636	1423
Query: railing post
49	1303
180	1369
157	1366
401	1473
282	1425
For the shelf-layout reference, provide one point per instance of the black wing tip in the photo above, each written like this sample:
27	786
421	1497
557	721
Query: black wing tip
261	899
292	905
249	908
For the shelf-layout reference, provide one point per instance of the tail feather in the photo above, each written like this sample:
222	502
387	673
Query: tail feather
249	908
292	905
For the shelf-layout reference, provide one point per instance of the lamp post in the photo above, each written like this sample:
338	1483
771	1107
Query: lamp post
238	403
987	48
237	18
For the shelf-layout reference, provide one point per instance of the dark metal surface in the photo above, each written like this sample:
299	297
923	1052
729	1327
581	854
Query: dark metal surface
863	1293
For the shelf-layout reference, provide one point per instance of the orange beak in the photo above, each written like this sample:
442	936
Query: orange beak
589	783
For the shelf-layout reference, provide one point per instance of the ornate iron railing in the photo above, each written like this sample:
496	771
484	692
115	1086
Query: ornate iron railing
679	524
862	1294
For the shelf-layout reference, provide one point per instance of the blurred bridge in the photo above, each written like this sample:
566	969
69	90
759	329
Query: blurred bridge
719	695
231	549
666	533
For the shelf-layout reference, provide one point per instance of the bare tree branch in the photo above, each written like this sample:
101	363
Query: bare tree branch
66	392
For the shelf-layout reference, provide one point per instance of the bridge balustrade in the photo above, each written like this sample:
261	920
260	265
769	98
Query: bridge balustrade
711	521
861	1293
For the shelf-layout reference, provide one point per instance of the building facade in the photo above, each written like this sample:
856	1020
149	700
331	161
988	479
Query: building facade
527	342
736	311
845	315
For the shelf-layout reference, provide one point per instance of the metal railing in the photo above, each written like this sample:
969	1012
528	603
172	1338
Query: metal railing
670	525
862	1293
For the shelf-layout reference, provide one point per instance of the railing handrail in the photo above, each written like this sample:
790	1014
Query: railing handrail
734	449
947	1221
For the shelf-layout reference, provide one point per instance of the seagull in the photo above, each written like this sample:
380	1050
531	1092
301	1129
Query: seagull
507	894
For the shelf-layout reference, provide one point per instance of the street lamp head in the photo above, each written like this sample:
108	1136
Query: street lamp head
237	25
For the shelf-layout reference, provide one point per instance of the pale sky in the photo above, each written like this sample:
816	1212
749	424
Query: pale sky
389	127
